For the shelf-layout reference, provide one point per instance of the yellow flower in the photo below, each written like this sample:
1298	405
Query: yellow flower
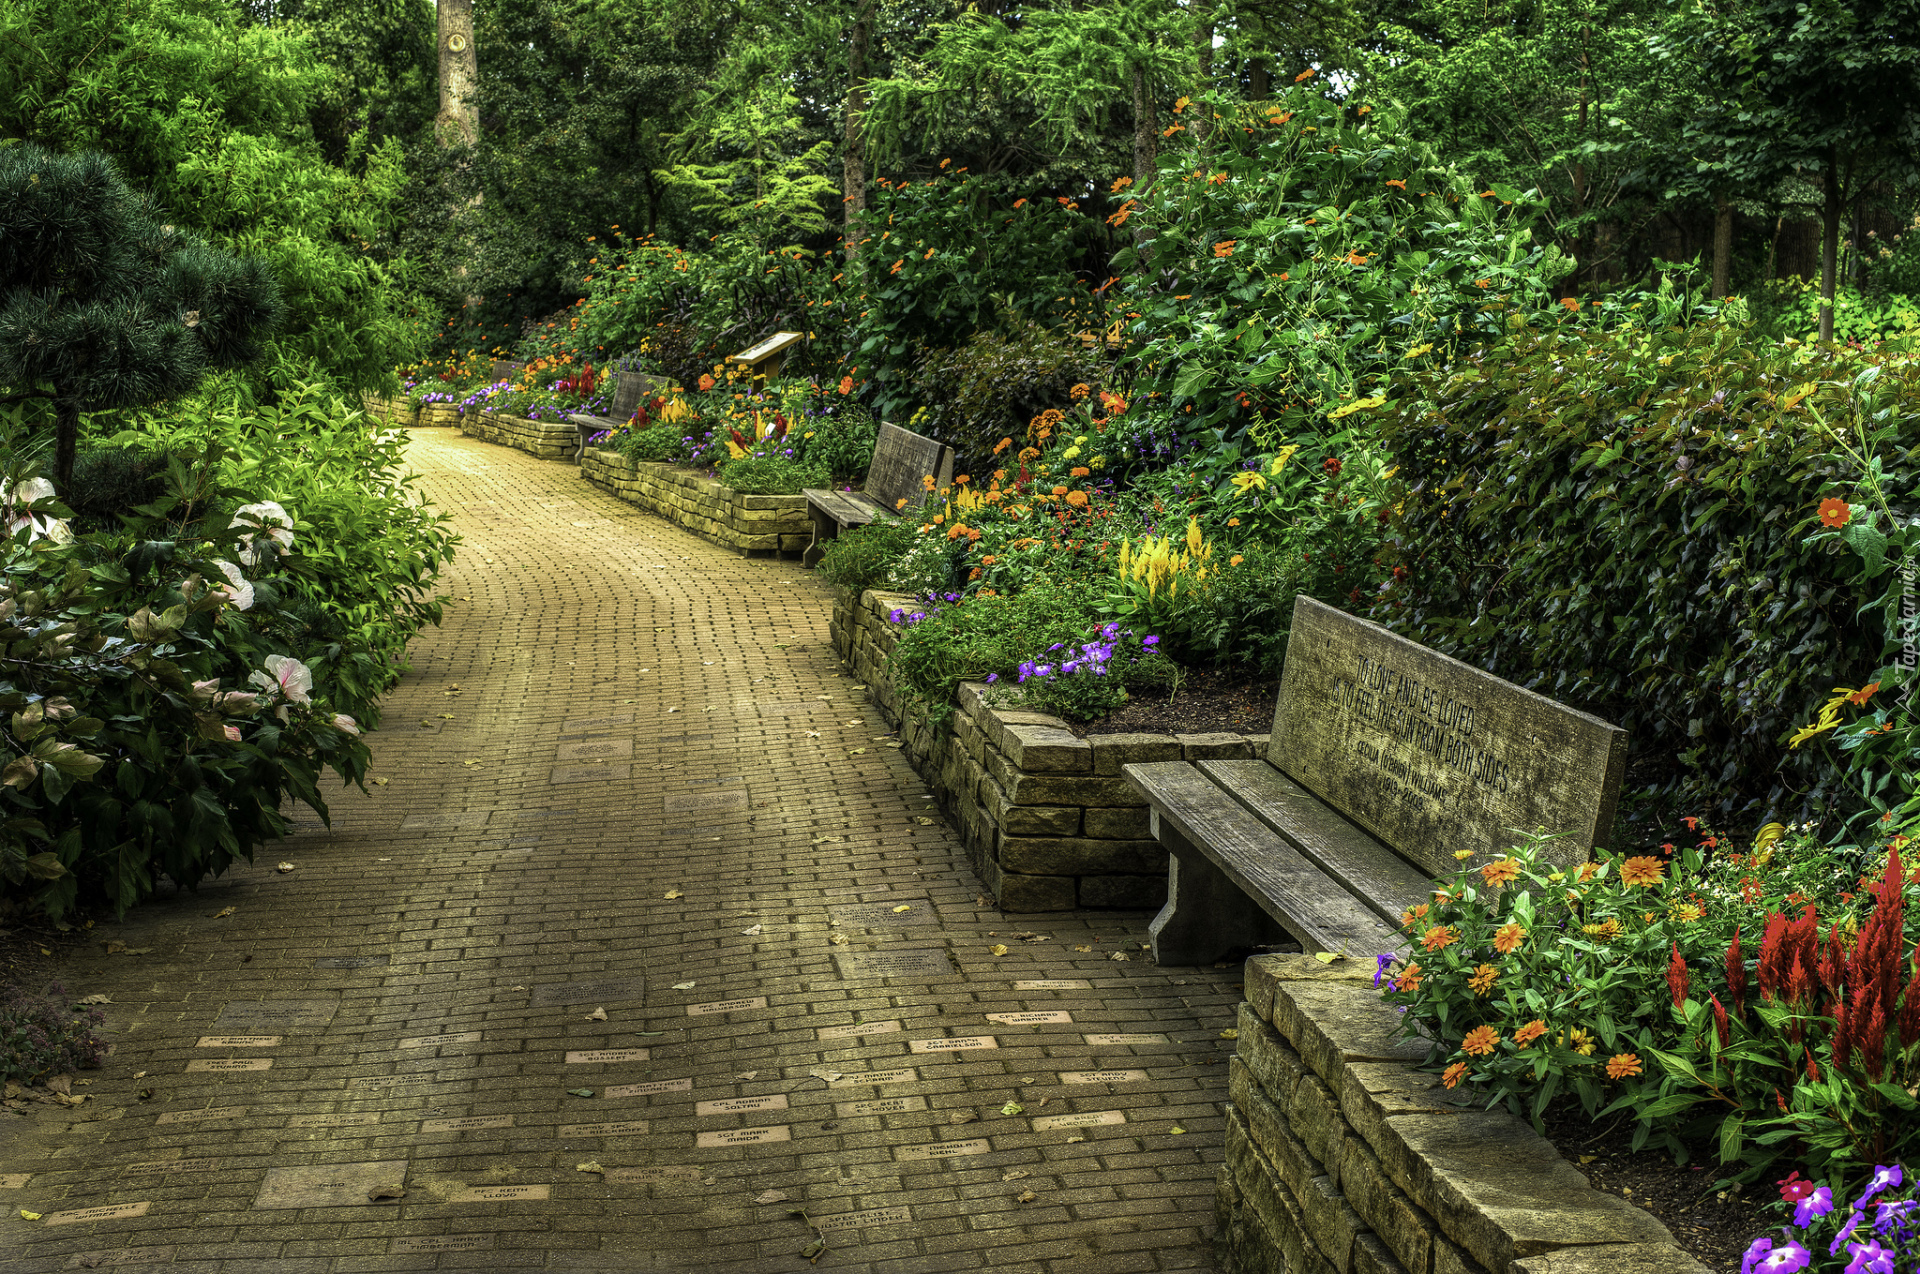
1580	1042
1280	459
1247	478
1462	854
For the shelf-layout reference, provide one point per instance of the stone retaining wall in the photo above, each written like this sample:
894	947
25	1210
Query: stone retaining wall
1342	1159
1048	821
542	439
750	523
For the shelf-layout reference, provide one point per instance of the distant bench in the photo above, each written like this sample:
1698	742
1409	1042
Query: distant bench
629	390
1385	759
896	481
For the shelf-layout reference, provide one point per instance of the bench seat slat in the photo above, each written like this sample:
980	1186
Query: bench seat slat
1370	871
848	508
1304	899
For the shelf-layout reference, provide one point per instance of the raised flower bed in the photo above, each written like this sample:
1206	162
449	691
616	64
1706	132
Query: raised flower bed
543	439
688	498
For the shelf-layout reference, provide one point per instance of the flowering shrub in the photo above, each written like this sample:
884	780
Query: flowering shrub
1878	1233
1088	679
47	1034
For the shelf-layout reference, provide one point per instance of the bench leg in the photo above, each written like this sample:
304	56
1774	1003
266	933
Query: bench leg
824	530
1206	914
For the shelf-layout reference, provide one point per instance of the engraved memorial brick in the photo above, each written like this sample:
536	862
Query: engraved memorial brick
944	1149
238	1041
743	1136
649	1089
111	1212
856	1029
953	1044
609	991
332	1185
881	1106
1090	1119
1054	984
726	1006
230	1063
1123	1038
601	1055
863	1220
923	964
734	1105
280	1016
466	1123
1102	1077
1032	1018
442	1243
436	1041
618	1128
500	1194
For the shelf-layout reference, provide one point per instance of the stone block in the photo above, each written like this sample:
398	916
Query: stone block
1111	751
1213	747
1313	1115
1028	893
999	719
1331	1024
1120	824
1078	856
1501	1191
1267	1124
1041	749
1449	1259
1331	1224
1275	1066
1400	1225
1266	972
1613	1258
1378	1091
1370	1256
1040	820
1052	789
1265	1195
1139	892
968	735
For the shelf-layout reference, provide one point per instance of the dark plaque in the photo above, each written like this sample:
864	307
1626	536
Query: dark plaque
610	991
351	962
877	915
1432	755
922	964
264	1017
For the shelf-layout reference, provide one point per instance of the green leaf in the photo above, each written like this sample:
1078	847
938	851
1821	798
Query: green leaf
1732	1129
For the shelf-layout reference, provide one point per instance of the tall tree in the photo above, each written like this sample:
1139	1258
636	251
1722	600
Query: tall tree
458	123
1818	89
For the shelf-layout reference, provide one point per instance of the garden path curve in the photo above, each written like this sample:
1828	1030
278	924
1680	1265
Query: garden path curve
627	779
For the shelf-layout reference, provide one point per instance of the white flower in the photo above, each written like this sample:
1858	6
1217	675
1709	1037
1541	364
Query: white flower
341	721
238	592
267	517
288	676
232	733
206	691
37	525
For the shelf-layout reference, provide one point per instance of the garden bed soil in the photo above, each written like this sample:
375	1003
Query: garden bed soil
1714	1227
1207	701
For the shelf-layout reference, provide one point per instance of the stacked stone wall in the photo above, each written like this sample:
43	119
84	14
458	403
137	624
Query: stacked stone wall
750	523
542	439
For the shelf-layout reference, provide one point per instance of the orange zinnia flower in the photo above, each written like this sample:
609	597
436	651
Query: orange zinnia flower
1002	445
1484	976
1224	248
1641	871
706	383
1623	1065
1501	871
1438	938
1530	1032
1397	183
1078	499
1409	978
846	384
1480	1041
1587	870
1508	940
1304	75
1454	1074
1859	697
1412	914
1835	513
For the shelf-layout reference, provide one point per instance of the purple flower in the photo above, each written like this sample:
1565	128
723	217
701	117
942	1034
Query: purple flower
1846	1232
1883	1177
1149	641
1869	1258
1819	1203
1380	965
992	677
1763	1256
897	615
1890	1215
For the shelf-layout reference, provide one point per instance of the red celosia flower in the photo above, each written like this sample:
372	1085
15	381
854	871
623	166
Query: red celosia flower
1721	1027
1677	977
1736	976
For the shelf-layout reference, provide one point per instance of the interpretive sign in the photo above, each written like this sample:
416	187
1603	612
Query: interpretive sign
773	350
1431	754
744	1136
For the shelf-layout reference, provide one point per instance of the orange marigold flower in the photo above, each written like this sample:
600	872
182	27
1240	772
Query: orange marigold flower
1224	248
1411	915
1484	976
1304	75
1859	697
1397	183
1409	978
1235	560
1480	1041
1454	1074
988	560
1530	1032
1078	499
1642	871
1019	203
1119	184
1570	302
1623	1065
1080	391
1233	521
896	266
706	383
1438	938
1002	445
846	384
1587	870
1501	871
1080	471
1356	258
1029	453
1835	513
961	479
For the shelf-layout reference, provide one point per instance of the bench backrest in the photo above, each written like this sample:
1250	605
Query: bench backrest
1432	755
629	388
902	460
505	370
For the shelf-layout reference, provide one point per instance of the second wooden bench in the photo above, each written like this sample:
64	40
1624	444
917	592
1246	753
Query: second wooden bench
903	461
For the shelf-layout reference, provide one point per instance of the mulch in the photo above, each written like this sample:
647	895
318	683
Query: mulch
1207	701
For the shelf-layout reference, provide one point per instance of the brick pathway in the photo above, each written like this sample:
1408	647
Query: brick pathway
627	775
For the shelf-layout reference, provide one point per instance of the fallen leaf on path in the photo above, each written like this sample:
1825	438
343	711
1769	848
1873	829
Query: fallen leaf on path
671	894
589	1167
446	716
813	734
1015	1174
837	939
903	907
1076	1137
923	820
29	1216
827	840
1231	1033
855	751
115	948
579	1092
94	999
224	912
1081	946
747	1075
673	709
284	868
1025	1196
1176	1130
598	1015
824	1075
1119	955
683	986
61	1084
381	782
139	1075
771	1196
962	1117
386	1192
998	948
1013	1108
751	933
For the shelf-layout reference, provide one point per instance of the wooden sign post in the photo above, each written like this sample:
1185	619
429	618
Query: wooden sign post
766	359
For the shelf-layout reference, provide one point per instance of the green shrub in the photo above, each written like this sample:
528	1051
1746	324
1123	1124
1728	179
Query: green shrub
987	635
109	481
1617	520
862	557
771	475
839	439
993	385
657	444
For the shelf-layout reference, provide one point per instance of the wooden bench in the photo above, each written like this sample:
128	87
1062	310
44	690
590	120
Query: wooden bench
504	369
902	462
630	389
1385	759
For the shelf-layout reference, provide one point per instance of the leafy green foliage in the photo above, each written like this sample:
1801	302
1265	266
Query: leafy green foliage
771	475
861	557
1617	520
987	635
47	1034
992	386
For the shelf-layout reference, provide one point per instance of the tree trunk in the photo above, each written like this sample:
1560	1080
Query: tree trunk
1829	244
1202	119
853	168
1146	151
66	439
1722	245
1259	80
458	123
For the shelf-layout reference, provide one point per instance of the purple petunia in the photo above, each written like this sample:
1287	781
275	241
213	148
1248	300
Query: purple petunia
1817	1203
